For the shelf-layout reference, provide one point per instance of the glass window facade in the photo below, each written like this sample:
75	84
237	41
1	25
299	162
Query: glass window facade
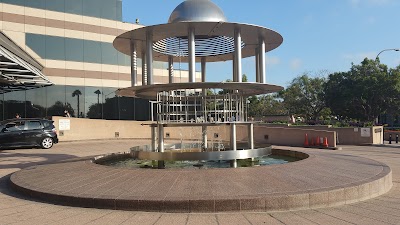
79	50
55	48
82	102
74	50
54	5
74	7
106	9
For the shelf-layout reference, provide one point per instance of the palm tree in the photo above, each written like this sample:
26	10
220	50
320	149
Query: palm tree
98	93
77	93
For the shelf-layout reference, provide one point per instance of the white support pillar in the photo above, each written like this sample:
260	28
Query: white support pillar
149	57
192	55
161	164
144	69
234	68
238	56
251	135
133	64
153	139
233	142
171	69
257	59
204	92
160	138
262	59
204	137
203	69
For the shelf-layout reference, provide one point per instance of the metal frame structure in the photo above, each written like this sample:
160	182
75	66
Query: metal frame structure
198	31
18	71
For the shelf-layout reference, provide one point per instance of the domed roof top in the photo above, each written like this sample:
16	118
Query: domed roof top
197	11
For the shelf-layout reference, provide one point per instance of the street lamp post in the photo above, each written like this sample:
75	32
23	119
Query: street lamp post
376	60
389	49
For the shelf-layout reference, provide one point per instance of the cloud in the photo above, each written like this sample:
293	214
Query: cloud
379	2
356	3
272	60
371	20
397	62
308	19
295	64
358	57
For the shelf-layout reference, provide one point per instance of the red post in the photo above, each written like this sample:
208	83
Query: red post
325	144
306	141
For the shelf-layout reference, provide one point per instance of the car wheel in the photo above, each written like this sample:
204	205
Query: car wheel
47	143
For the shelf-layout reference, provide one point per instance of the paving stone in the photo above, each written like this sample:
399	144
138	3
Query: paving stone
143	219
380	210
202	219
172	219
320	218
290	218
116	217
349	216
232	219
261	218
84	217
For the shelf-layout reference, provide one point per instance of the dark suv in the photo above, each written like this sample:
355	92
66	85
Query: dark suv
27	132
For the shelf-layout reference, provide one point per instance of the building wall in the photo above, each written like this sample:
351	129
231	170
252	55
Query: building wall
72	39
348	135
84	129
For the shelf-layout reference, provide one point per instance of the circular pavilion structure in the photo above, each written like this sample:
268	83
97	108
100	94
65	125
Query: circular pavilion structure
198	32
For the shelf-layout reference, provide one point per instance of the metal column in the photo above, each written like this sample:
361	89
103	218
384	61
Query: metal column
133	64
233	143
161	163
149	57
204	101
171	69
238	56
203	69
251	135
192	55
262	60
234	68
153	139
144	69
204	136
257	59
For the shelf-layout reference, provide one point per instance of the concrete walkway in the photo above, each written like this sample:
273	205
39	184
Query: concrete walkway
14	209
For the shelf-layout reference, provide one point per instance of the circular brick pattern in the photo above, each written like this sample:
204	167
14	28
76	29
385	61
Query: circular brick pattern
323	179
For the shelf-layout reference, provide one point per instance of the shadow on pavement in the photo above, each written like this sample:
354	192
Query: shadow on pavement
388	145
17	160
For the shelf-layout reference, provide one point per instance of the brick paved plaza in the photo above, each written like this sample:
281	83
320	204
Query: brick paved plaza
16	209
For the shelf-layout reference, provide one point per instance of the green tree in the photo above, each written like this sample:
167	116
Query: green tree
305	97
95	111
225	91
58	109
364	92
77	93
98	93
266	105
244	78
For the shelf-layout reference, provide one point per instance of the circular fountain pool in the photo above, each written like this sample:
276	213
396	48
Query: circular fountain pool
190	156
128	162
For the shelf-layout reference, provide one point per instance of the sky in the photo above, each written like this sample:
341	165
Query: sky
319	36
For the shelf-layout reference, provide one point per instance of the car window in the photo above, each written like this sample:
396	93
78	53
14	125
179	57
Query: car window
15	126
33	125
47	123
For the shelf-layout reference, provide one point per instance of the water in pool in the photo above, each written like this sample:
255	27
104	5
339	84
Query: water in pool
260	161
